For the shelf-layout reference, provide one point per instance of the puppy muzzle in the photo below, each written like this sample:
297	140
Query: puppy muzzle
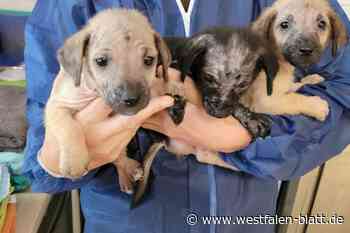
216	108
302	51
128	98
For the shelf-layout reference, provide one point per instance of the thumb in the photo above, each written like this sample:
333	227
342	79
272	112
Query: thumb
156	104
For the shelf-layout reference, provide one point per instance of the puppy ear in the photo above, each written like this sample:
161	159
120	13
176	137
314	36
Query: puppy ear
164	55
71	55
269	63
339	36
194	50
263	25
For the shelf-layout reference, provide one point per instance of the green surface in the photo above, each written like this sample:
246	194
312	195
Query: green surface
18	83
14	12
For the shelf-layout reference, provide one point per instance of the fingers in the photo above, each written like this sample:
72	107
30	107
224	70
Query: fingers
94	112
157	104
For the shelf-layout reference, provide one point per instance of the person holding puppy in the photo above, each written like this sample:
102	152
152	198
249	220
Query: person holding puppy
181	189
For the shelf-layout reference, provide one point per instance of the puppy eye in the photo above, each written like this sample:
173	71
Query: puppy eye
243	84
148	61
102	61
209	79
284	25
322	24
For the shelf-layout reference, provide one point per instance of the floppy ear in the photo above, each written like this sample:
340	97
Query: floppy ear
339	35
269	63
194	50
164	55
70	56
263	25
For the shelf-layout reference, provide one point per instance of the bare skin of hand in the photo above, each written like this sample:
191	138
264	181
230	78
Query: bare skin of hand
198	128
105	136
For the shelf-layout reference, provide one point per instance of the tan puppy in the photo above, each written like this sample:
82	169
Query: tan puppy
114	57
300	31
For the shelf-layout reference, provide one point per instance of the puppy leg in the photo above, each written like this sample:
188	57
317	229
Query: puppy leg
74	156
129	171
176	89
294	104
258	125
147	163
311	79
213	158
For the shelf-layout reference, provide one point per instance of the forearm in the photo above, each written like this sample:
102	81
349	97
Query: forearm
298	144
210	132
48	156
41	180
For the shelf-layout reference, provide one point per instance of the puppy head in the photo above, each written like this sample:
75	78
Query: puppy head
117	55
302	29
224	62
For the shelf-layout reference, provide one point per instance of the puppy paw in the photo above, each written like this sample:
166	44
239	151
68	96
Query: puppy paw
312	79
176	90
129	171
125	182
73	162
259	125
177	111
319	108
132	168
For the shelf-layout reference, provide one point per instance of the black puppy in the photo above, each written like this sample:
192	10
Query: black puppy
223	63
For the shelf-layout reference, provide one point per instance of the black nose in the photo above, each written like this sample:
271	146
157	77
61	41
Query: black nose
213	101
306	51
131	101
131	93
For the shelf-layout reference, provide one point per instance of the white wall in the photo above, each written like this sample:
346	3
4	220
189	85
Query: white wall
346	5
18	5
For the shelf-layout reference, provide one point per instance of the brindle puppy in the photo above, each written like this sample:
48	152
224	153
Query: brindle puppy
223	62
224	67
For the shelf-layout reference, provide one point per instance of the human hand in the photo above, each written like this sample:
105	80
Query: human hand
105	136
198	128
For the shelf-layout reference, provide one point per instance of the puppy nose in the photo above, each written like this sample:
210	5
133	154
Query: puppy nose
306	51
213	101
131	101
131	94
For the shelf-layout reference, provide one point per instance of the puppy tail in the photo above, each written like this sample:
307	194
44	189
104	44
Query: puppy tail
142	184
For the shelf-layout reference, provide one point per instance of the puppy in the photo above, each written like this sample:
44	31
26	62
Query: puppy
114	57
223	63
299	31
226	69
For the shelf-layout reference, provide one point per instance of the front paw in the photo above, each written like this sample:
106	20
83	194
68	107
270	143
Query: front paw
312	79
73	162
176	90
129	171
177	111
259	125
320	108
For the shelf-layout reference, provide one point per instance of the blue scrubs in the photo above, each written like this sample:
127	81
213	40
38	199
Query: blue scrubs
297	144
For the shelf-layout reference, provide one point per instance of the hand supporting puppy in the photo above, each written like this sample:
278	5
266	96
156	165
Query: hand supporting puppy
106	137
199	128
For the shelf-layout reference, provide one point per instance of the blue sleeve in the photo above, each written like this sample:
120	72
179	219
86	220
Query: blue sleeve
298	144
50	23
